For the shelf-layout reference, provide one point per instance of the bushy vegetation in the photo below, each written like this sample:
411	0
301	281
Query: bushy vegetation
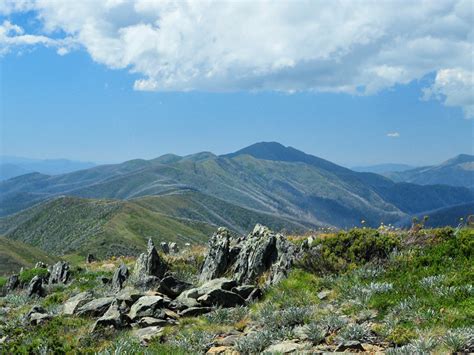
27	275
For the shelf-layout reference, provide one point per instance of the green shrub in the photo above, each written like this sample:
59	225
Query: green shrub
348	249
3	281
27	275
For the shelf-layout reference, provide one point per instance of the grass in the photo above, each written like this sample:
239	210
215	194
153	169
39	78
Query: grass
27	275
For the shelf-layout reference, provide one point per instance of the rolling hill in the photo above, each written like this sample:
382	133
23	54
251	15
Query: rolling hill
72	225
458	171
15	255
266	177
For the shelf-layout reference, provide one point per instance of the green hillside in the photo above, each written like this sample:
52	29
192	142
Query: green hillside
72	225
15	255
69	225
267	178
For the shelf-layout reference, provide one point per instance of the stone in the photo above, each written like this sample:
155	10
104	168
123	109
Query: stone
194	311
174	248
120	276
147	306
171	314
41	265
222	350
113	317
145	335
350	345
59	273
90	258
255	295
165	247
221	298
95	308
228	340
190	297
37	315
218	259
150	321
105	280
244	291
149	264
77	301
324	294
301	332
246	259
129	295
283	347
35	287
13	282
172	287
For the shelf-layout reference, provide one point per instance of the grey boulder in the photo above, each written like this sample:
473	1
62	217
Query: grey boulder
59	273
172	287
147	306
75	302
95	308
120	276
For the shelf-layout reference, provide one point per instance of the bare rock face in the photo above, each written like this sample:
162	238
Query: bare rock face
59	273
149	264
246	259
13	282
120	276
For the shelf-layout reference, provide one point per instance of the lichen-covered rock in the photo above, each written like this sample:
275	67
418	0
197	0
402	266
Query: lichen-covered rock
221	298
35	287
246	259
149	264
59	273
75	302
113	317
120	276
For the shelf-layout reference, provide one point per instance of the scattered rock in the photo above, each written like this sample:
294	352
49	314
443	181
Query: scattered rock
284	347
351	345
244	291
221	298
120	276
72	304
145	335
174	248
147	306
59	273
255	295
105	280
41	265
172	287
190	297
129	295
149	264
219	258
95	308
222	350
90	258
113	317
228	340
150	321
194	311
35	288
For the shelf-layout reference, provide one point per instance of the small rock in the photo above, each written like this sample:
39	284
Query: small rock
350	345
75	302
228	340
255	295
284	347
145	335
37	315
222	350
95	308
41	265
165	247
90	258
174	248
13	282
324	294
113	317
301	332
243	291
194	311
59	273
150	321
120	276
35	288
221	298
105	280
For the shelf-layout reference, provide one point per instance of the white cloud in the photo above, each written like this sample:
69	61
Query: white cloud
339	46
393	134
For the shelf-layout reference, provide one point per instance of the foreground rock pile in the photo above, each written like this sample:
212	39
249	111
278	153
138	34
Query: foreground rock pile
151	297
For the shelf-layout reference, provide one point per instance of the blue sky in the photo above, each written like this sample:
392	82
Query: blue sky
82	106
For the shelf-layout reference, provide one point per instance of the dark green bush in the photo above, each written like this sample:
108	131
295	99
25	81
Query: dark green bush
3	281
27	275
348	248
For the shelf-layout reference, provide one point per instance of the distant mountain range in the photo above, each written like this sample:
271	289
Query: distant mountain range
458	171
15	166
383	169
266	178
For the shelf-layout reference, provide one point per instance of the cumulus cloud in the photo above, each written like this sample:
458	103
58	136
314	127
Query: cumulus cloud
356	47
393	134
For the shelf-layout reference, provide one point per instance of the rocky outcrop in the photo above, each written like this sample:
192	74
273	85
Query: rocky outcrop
35	287
149	264
37	315
59	273
41	265
247	259
174	249
120	276
113	317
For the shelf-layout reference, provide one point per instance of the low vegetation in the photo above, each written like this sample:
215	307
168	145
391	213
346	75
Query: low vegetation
393	291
